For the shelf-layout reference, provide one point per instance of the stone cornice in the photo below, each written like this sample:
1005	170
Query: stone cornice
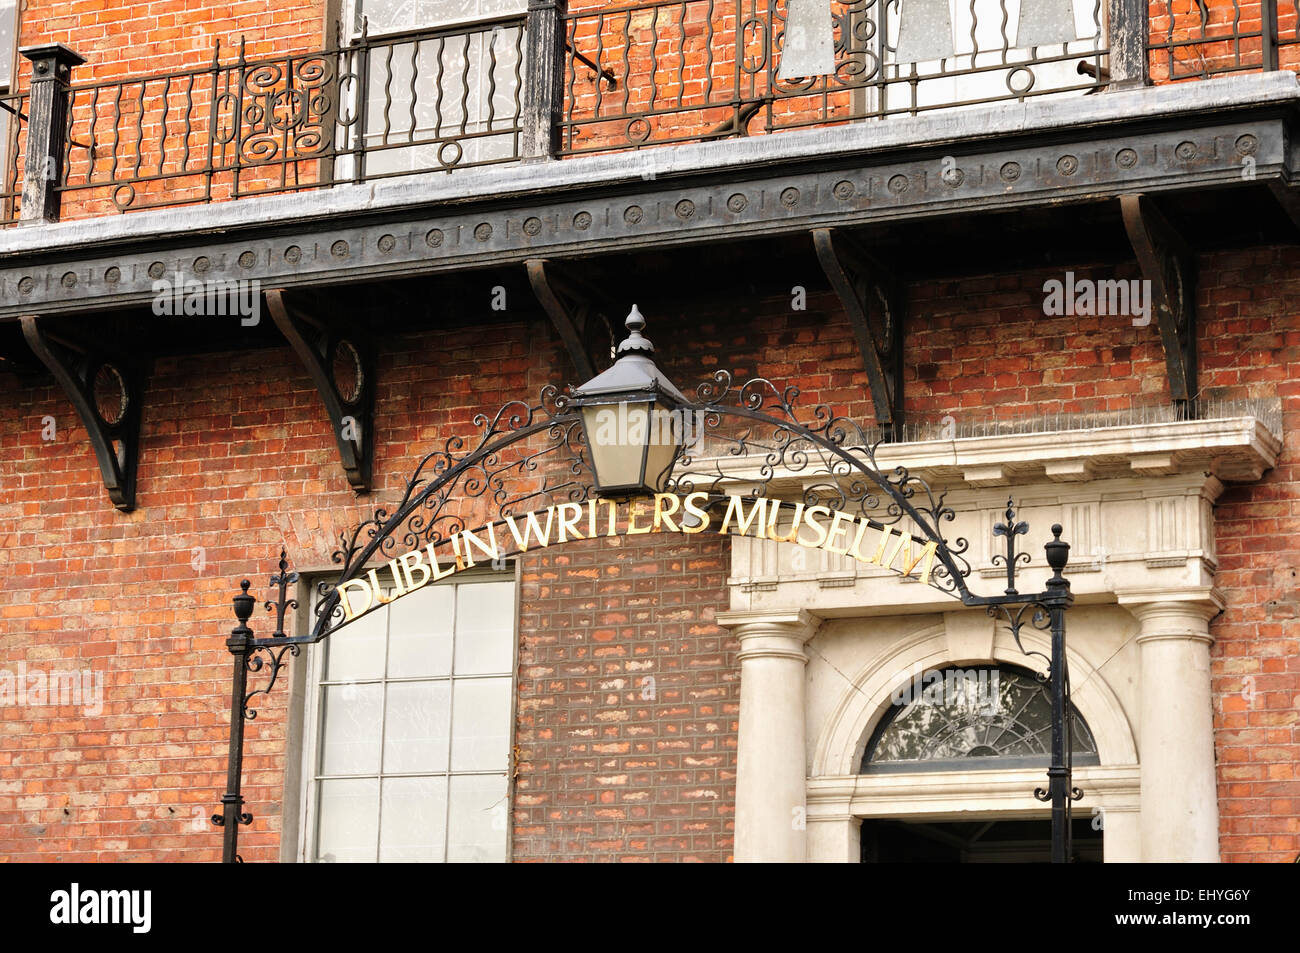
1230	448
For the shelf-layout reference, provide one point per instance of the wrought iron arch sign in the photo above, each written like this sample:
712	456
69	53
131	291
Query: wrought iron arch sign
742	441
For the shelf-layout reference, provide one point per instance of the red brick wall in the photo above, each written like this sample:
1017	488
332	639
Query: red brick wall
238	460
1250	337
628	699
130	37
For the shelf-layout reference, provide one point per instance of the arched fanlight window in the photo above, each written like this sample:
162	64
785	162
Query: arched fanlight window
985	717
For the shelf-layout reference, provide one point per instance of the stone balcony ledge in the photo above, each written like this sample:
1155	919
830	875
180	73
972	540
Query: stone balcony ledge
526	179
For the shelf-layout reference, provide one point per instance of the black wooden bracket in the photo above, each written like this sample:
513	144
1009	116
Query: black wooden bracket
579	312
343	367
873	299
1169	265
107	391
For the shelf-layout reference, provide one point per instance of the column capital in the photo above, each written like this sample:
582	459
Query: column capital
770	633
1182	613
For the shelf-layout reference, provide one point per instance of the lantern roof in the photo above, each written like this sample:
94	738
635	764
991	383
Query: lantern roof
634	370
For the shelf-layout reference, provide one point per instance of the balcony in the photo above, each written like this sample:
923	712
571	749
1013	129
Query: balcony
557	84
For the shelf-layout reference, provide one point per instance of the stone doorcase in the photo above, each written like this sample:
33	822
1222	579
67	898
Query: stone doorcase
825	641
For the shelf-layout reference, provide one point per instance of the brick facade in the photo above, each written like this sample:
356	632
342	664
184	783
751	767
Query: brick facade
238	460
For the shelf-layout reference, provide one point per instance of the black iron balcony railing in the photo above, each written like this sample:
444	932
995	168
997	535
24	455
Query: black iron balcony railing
13	116
679	70
381	107
1198	40
557	83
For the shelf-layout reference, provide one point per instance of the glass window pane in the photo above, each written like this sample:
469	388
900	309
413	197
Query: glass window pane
415	728
980	717
414	820
480	724
419	641
479	814
348	821
357	649
350	729
8	39
485	628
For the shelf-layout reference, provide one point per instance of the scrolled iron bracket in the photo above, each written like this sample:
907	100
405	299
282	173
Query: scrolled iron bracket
873	300
342	366
107	391
1168	264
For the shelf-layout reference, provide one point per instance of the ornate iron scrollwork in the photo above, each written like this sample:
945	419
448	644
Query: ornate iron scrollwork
343	368
742	439
274	656
107	391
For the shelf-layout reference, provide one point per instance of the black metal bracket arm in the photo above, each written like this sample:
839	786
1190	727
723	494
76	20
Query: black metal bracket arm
107	390
573	306
343	370
1170	266
1288	200
873	300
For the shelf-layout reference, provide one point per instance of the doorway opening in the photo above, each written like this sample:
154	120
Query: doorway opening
982	841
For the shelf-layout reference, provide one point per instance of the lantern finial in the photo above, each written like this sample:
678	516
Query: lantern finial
635	342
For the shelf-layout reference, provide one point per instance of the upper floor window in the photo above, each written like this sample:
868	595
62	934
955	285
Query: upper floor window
398	16
986	717
445	97
408	729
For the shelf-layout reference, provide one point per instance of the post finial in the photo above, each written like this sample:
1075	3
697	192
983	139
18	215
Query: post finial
1058	554
243	604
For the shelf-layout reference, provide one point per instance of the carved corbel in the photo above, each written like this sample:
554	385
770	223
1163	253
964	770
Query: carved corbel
1170	267
873	299
107	391
577	310
343	369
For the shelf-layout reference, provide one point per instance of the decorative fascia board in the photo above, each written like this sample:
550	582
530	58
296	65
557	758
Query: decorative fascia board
941	128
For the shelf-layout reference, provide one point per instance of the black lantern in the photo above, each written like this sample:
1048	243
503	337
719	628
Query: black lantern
632	417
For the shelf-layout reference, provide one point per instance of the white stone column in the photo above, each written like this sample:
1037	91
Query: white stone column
1180	806
771	783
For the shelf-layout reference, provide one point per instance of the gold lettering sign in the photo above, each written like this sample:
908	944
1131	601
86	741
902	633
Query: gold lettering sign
812	527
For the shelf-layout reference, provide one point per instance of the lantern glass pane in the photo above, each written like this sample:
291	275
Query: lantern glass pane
666	434
616	435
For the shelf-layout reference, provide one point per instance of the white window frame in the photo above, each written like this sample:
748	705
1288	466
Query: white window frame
419	154
9	62
353	10
309	712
